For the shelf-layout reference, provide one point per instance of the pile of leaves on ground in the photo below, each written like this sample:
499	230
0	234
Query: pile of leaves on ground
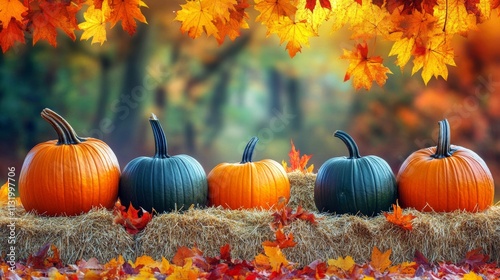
191	263
270	263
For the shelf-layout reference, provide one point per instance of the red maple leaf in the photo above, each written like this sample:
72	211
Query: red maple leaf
311	4
42	260
11	34
285	215
126	11
130	219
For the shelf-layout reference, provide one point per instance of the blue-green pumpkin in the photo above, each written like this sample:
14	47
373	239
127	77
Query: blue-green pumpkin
354	184
163	182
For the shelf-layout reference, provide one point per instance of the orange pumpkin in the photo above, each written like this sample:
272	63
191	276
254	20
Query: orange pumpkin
248	184
445	178
70	175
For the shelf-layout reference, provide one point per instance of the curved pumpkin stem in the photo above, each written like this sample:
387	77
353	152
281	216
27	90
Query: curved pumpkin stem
161	147
349	142
443	148
248	152
66	134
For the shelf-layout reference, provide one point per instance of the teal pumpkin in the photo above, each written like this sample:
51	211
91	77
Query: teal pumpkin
163	182
354	184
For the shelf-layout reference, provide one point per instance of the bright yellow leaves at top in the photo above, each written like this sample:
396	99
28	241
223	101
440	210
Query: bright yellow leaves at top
433	57
219	18
272	11
296	33
363	69
96	18
94	25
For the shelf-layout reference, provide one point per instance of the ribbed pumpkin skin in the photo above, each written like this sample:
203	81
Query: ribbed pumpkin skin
69	179
365	185
445	178
354	184
248	185
165	184
459	182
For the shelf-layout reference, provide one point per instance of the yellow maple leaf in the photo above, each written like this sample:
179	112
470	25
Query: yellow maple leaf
295	33
373	21
484	9
364	69
165	267
11	9
273	10
273	257
220	8
347	12
453	17
380	261
346	264
314	18
94	25
196	19
405	268
433	57
403	48
472	276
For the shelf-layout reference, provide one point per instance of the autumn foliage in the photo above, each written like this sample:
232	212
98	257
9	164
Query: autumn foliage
419	31
42	19
191	263
297	162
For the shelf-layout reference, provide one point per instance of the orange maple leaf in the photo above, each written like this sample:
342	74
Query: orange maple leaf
49	16
297	162
282	240
397	218
196	19
11	34
128	11
232	27
364	69
11	9
380	261
130	219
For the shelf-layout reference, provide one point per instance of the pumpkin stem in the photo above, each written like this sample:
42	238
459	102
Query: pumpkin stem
248	152
349	142
66	134
161	147
443	148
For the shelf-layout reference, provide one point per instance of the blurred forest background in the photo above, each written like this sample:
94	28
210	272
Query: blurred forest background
212	99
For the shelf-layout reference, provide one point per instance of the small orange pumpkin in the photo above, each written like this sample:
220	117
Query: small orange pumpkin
248	184
445	178
70	175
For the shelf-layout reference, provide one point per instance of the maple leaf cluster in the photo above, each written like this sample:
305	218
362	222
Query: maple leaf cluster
421	31
297	162
42	19
130	218
190	263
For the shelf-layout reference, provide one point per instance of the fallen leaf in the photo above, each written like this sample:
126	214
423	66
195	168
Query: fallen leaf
282	240
130	219
403	221
346	264
380	261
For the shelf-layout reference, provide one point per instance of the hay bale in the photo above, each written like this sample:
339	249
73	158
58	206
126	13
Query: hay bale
208	229
302	190
85	236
